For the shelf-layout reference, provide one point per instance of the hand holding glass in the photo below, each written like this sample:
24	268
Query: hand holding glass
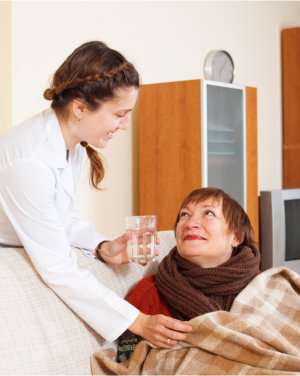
141	246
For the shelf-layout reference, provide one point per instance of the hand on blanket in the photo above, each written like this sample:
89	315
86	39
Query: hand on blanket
115	251
162	331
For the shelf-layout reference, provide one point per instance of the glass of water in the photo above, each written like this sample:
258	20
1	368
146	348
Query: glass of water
141	246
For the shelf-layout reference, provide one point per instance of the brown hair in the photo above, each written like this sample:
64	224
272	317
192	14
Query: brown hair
235	216
93	72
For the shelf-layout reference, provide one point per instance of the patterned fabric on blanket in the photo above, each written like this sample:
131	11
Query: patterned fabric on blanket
260	335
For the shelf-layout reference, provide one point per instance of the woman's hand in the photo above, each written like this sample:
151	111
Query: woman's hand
115	251
162	331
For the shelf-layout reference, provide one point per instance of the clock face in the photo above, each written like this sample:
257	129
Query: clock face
219	67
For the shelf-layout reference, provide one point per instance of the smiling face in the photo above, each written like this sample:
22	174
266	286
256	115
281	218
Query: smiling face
202	234
97	127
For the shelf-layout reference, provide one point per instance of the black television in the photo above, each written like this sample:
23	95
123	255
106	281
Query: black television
280	228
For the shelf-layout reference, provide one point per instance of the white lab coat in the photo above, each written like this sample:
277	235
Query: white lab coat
38	211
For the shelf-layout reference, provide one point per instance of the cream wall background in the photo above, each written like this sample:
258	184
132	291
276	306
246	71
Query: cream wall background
168	41
5	65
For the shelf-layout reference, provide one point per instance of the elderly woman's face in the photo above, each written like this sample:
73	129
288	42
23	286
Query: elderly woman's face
202	234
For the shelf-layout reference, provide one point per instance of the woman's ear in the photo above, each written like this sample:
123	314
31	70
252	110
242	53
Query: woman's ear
78	108
236	242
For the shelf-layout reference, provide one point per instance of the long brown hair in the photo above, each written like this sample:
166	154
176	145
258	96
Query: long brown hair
235	216
93	72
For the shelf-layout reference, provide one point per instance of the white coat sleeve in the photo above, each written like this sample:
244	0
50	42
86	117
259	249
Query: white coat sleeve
28	199
83	234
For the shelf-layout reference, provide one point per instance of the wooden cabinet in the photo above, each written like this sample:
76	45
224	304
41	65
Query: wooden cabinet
171	151
291	107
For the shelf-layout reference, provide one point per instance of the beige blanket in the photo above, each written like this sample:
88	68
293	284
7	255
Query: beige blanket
259	336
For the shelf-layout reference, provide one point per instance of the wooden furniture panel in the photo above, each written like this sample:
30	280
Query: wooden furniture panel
291	166
291	107
170	147
251	159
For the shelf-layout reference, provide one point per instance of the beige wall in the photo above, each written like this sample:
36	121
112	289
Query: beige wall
5	65
168	41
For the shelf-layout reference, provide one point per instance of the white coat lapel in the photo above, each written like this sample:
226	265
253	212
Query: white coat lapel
58	151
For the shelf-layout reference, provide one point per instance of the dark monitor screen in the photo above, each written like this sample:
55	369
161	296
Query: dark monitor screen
292	229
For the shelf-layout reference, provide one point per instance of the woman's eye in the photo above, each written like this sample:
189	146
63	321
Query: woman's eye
209	212
183	214
121	115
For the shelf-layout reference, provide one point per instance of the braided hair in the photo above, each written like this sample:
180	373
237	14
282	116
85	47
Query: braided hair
93	72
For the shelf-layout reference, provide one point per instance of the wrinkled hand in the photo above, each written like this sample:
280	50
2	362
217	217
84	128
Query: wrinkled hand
159	328
115	251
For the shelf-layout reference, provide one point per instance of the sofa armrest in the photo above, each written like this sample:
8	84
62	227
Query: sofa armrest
39	333
121	278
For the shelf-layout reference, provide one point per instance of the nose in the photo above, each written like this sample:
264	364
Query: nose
194	222
124	123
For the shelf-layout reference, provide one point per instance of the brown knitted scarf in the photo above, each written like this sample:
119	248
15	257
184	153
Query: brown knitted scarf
191	290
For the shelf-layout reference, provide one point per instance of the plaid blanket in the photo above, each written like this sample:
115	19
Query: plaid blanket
259	336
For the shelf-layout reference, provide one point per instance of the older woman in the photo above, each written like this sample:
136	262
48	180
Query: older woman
214	260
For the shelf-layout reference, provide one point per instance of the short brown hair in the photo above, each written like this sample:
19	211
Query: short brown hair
235	216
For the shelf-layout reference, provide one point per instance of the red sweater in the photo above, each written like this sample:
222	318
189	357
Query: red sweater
145	297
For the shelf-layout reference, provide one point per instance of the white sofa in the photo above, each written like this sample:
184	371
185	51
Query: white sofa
39	334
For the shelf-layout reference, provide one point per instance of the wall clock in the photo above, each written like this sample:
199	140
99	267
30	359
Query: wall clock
219	66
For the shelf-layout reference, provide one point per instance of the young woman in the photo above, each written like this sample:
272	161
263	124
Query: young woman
215	258
92	95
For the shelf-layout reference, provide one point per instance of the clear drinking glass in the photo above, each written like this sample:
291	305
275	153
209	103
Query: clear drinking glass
141	246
